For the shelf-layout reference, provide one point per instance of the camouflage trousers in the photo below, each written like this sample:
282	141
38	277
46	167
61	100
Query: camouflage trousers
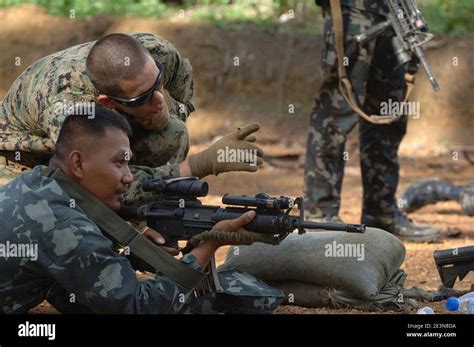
241	294
375	77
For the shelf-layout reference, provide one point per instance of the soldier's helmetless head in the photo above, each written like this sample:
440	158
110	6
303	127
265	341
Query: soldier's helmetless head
95	153
127	77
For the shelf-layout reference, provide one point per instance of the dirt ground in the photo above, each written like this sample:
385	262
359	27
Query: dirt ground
275	71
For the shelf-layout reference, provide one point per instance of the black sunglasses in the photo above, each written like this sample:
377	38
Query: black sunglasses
142	98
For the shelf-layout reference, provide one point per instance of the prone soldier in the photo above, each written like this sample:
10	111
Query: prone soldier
58	250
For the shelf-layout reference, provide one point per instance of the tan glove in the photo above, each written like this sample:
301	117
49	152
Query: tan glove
232	232
233	152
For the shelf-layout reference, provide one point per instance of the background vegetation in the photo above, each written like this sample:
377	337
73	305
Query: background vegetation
447	16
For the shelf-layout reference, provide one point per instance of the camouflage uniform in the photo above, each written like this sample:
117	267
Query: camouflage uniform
375	78
29	120
74	257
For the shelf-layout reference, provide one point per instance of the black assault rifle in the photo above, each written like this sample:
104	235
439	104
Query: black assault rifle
180	215
411	32
453	263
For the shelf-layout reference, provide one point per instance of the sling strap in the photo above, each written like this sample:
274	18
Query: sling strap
122	233
345	84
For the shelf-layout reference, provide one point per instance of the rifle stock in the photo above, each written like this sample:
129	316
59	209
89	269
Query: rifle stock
454	263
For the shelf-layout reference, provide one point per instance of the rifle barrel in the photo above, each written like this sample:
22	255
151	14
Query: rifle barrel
421	56
350	228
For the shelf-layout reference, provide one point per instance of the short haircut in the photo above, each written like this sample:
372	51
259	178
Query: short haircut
77	129
112	59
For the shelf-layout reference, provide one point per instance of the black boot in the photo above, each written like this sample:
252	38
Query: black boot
402	227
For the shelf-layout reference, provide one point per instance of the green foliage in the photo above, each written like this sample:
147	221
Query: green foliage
287	16
81	8
447	16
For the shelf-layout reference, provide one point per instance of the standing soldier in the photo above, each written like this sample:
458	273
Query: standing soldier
372	69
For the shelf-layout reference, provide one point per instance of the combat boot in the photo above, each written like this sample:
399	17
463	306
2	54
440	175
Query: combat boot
402	227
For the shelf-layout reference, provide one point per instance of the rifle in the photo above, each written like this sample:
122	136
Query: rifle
180	215
411	32
453	263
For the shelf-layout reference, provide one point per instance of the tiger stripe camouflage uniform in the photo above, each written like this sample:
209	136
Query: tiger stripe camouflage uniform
375	78
74	257
30	121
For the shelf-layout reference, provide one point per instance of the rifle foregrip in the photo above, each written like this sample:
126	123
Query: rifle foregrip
262	223
372	32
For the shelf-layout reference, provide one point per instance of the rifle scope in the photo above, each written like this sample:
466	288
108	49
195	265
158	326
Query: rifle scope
182	186
260	201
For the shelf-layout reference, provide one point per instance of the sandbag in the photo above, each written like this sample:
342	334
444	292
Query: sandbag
358	263
392	296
